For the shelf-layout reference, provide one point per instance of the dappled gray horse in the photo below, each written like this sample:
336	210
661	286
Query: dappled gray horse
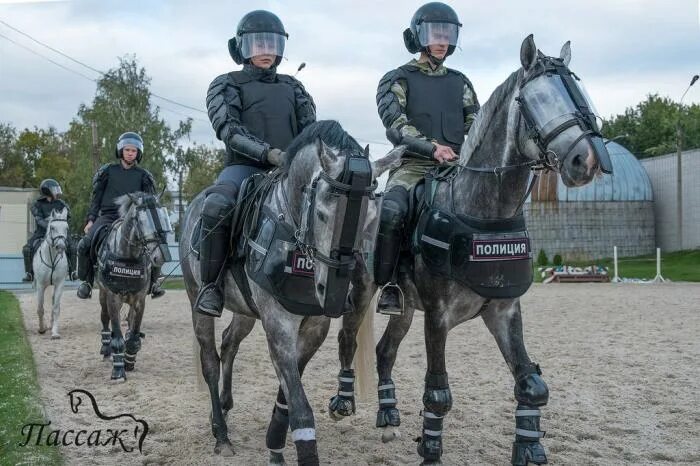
474	256
308	198
51	268
134	245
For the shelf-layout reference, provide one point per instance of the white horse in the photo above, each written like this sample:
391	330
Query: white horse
51	268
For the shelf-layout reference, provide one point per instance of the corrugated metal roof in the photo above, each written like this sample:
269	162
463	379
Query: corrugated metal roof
629	181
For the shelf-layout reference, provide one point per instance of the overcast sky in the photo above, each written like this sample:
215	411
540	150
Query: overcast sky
622	50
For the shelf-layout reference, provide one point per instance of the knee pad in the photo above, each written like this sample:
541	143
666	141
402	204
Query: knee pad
84	245
216	207
530	389
394	208
26	250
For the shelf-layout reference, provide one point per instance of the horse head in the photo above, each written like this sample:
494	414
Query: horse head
558	123
334	184
146	225
57	230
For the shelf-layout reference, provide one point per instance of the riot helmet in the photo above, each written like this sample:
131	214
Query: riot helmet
50	187
129	139
259	33
433	23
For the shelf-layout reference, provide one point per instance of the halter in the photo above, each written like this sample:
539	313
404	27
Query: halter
51	241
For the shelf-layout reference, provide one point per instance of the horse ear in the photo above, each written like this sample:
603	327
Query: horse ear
565	54
528	52
367	151
390	160
326	156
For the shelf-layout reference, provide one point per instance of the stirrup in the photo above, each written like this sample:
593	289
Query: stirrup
205	310
388	312
28	277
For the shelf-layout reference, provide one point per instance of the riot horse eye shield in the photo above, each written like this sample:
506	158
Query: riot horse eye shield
155	225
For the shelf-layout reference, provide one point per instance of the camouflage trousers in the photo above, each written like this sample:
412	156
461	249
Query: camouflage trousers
410	172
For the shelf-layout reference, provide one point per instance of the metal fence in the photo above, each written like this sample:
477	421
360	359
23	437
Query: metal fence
663	173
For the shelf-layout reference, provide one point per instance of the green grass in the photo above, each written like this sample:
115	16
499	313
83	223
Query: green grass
174	283
679	266
19	391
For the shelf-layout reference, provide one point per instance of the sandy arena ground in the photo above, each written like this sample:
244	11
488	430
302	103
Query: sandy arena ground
622	363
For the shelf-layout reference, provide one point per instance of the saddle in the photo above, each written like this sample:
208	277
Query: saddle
491	256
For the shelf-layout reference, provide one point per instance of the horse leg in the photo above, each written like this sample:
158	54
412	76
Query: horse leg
313	333
204	331
40	291
239	328
342	404
134	335
106	334
388	416
282	331
437	398
505	324
117	344
56	309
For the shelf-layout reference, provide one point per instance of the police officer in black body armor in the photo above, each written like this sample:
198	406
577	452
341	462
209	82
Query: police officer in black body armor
111	181
49	201
431	106
256	112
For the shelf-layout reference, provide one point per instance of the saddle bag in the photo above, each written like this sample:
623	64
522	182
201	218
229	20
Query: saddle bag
492	257
279	267
122	275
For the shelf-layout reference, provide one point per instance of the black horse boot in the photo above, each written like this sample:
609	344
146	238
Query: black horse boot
214	250
28	267
71	254
156	290
85	270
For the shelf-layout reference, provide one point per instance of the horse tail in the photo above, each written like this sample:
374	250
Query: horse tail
365	356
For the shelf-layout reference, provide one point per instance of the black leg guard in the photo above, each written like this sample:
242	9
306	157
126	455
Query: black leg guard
343	404
214	250
307	453
388	248
71	254
84	264
388	414
106	349
437	402
118	372
28	268
531	392
133	346
276	437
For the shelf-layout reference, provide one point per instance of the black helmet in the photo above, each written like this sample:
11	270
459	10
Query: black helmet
127	139
258	28
432	18
50	187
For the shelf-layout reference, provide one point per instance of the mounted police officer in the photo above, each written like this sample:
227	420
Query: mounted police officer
256	112
111	181
431	106
49	201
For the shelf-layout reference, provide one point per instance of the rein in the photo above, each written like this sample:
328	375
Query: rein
52	244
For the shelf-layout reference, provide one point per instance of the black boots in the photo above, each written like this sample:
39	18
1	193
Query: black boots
28	272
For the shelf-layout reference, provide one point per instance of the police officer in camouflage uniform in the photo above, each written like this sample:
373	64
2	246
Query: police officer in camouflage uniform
111	181
49	201
434	106
256	112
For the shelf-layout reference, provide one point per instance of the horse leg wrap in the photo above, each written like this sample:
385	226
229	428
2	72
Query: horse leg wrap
437	401
276	437
344	402
133	345
531	392
305	443
388	414
106	350
118	358
527	447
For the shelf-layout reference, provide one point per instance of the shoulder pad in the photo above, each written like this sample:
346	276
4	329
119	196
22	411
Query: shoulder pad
387	103
149	178
101	173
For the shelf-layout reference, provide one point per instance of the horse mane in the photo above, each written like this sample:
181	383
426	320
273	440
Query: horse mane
330	132
480	126
127	200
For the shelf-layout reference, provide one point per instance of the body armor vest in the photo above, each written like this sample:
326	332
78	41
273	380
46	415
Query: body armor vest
119	182
267	111
434	105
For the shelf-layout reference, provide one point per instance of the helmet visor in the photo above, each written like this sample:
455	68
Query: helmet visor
55	190
128	141
437	34
262	43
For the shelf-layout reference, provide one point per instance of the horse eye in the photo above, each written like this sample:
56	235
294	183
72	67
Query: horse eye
322	217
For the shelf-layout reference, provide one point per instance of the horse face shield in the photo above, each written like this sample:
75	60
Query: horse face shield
155	225
555	100
350	196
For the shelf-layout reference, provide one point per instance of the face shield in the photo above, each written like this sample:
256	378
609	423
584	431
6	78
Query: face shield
437	34
55	191
137	143
262	43
155	225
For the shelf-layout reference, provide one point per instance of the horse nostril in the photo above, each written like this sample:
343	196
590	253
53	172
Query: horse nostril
321	289
577	160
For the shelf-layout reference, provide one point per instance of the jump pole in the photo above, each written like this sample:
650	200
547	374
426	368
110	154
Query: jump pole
658	278
616	278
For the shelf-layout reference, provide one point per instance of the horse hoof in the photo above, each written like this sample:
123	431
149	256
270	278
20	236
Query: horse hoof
276	459
118	380
42	331
224	449
336	416
55	336
390	433
129	367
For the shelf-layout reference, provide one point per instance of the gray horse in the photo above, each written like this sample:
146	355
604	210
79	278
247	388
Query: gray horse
539	118
135	244
51	268
317	157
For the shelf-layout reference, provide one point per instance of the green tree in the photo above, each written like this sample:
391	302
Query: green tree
204	165
15	170
650	127
121	103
